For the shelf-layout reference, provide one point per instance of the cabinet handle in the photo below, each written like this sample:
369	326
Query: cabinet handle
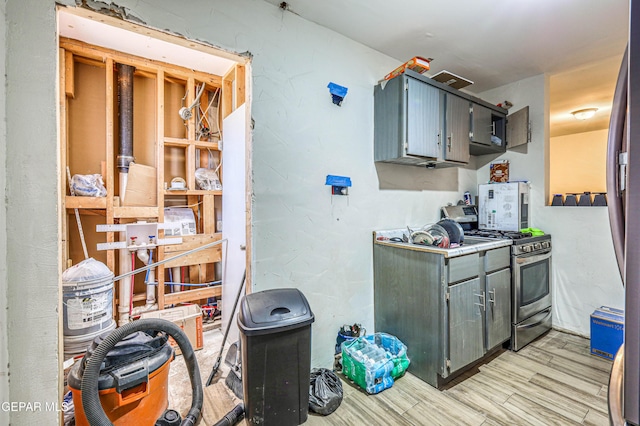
493	128
439	142
482	296
492	296
449	141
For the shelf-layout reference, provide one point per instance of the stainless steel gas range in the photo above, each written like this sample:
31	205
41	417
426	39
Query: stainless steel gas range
531	278
530	284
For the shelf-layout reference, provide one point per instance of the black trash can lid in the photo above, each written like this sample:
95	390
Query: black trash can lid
272	311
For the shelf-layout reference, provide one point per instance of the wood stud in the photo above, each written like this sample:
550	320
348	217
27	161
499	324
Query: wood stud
201	264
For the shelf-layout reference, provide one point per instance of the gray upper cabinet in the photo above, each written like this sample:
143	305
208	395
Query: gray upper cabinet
481	126
488	128
423	119
419	121
457	129
518	128
408	117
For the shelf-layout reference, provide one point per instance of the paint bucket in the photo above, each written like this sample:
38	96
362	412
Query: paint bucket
77	345
87	290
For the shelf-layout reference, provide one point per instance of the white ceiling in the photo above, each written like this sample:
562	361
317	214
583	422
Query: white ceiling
495	42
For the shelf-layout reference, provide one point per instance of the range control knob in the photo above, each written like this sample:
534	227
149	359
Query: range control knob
545	244
526	249
537	246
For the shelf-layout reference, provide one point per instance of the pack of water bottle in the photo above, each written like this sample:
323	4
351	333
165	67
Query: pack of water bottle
374	362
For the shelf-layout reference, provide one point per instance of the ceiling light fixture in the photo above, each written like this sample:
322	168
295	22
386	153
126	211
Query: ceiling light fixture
584	114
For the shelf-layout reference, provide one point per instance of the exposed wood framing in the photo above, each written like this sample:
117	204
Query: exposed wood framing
68	75
142	64
190	295
110	147
64	230
233	93
160	179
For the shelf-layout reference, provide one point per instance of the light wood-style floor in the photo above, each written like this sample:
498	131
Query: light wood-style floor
553	381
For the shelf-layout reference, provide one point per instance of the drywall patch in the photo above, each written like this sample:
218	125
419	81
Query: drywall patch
121	12
110	9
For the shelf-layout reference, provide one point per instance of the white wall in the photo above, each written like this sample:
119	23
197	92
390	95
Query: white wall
302	236
577	162
4	353
585	272
32	218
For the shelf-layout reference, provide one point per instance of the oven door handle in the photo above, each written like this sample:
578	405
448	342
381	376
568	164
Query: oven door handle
532	258
536	323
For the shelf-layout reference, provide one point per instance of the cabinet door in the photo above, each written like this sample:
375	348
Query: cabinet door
423	119
518	132
458	123
234	228
498	314
466	305
481	126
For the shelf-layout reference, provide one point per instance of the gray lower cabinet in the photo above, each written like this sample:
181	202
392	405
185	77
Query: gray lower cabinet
449	312
498	313
466	343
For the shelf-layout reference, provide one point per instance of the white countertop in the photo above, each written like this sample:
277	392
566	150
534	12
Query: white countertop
478	245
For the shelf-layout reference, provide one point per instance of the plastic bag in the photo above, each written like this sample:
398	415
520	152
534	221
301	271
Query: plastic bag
207	179
325	391
88	185
87	270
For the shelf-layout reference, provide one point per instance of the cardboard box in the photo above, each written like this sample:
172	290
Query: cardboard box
188	318
142	190
607	331
417	64
499	172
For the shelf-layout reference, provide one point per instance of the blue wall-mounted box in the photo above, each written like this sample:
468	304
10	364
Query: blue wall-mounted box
607	331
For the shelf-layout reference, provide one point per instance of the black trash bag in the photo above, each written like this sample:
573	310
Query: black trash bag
325	391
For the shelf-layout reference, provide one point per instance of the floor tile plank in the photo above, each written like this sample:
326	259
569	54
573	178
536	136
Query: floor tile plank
553	381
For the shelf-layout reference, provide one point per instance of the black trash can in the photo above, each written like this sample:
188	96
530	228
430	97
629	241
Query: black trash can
275	331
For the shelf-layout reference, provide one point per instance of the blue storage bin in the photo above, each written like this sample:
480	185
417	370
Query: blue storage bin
607	331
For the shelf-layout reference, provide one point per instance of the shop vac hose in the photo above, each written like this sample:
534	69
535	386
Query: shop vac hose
232	417
90	397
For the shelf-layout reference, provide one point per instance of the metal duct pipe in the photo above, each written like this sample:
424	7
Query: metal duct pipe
125	117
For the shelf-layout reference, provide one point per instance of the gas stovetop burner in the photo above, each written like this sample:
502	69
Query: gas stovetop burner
487	233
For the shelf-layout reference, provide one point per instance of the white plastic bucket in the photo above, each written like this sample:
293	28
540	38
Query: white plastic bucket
87	296
87	307
77	345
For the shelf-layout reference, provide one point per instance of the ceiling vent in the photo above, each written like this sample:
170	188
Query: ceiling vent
451	80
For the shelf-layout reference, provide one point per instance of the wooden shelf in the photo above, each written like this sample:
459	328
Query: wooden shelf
71	202
189	295
190	192
188	142
131	212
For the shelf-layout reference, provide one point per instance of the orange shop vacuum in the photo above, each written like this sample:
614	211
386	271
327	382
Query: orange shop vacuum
123	378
